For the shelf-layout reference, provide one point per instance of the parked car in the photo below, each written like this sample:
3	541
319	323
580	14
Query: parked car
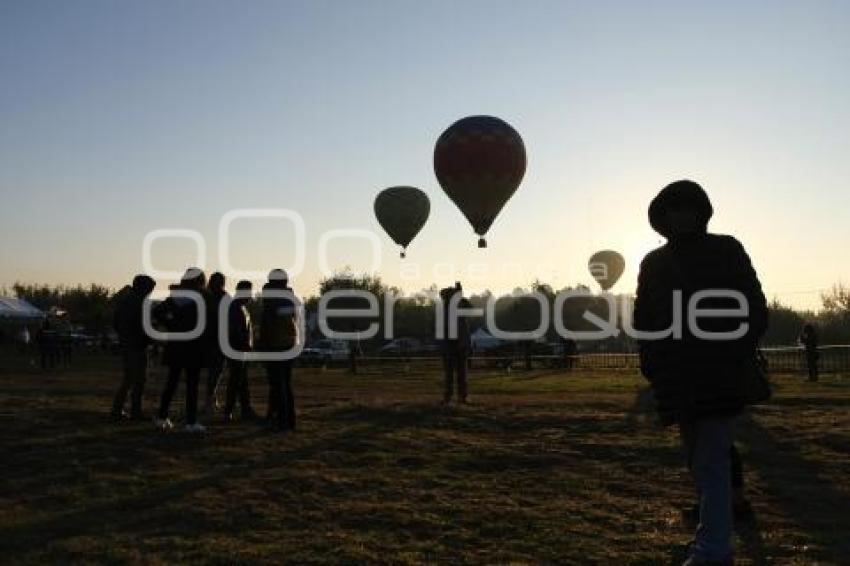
401	347
324	351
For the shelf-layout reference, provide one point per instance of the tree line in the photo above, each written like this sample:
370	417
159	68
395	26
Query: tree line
91	308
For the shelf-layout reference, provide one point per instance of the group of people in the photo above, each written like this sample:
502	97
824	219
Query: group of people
179	314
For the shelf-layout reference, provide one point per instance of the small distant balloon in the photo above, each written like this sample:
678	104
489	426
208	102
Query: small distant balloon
480	161
401	212
606	267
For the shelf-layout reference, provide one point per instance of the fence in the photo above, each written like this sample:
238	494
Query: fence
832	359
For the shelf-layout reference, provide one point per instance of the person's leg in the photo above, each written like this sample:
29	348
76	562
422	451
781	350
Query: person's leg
461	378
288	398
812	362
126	383
448	377
273	373
140	374
736	470
168	392
232	386
707	444
193	377
742	509
245	394
213	377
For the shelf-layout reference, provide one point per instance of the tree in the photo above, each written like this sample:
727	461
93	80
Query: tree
784	324
90	307
837	300
345	280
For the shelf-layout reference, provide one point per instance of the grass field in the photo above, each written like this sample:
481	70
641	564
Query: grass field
542	467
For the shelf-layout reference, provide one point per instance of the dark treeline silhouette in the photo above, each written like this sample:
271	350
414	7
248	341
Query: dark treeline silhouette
91	307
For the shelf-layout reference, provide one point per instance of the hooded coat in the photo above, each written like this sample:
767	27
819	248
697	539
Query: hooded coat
180	315
693	377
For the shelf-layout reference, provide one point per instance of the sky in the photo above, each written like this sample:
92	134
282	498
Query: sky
119	118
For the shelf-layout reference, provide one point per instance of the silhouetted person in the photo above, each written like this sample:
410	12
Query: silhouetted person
127	321
215	294
65	346
241	334
46	339
455	350
278	333
23	338
352	357
570	349
809	340
180	314
699	384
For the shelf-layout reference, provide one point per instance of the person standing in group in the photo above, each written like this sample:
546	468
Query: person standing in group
700	383
180	313
127	321
65	343
570	349
455	348
241	335
215	294
279	333
23	338
46	338
809	340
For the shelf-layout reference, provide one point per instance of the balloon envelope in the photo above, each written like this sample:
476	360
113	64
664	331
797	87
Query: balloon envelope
401	212
606	267
480	161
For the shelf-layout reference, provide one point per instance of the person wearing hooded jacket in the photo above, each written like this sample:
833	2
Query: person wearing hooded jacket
216	360
279	333
134	343
179	314
241	336
699	383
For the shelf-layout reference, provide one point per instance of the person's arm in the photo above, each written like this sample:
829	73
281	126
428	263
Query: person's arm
750	286
642	318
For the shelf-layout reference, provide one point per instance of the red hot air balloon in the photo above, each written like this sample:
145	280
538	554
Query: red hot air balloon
480	161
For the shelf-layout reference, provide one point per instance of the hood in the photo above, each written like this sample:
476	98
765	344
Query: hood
681	194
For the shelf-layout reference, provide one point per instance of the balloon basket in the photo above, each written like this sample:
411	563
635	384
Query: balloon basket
402	255
482	243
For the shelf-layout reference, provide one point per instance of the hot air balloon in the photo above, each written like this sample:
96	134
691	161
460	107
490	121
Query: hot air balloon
606	267
480	161
401	212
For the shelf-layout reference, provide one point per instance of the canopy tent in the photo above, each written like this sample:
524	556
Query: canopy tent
483	340
18	310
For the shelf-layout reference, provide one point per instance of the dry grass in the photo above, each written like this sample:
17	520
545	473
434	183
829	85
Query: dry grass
543	467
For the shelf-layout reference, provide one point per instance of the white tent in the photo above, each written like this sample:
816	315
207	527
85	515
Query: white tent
18	310
483	340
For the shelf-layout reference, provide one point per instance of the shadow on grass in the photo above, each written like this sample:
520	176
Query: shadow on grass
814	504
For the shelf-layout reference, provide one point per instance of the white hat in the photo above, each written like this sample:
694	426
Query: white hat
278	275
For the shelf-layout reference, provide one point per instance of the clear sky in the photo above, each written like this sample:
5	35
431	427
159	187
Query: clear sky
117	118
